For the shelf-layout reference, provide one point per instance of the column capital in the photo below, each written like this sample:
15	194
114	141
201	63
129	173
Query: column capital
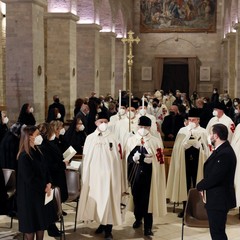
110	34
236	26
42	3
90	26
67	15
230	35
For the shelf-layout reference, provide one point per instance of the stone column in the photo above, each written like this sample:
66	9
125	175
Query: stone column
107	63
120	68
62	59
224	82
25	57
231	37
2	82
237	61
87	59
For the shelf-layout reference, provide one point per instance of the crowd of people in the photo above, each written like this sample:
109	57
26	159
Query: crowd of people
123	161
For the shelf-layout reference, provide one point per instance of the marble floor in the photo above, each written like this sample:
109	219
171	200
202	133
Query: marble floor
167	228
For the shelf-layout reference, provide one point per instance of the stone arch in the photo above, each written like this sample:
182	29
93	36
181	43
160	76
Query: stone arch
105	16
55	6
86	11
234	12
119	24
226	22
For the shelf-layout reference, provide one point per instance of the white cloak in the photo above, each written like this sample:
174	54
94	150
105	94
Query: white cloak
236	147
227	121
100	197
176	183
157	199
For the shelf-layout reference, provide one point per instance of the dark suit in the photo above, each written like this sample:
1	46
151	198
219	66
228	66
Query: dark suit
218	181
171	125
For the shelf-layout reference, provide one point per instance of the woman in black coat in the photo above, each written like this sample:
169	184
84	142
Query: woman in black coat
26	115
9	147
75	135
56	166
32	186
3	125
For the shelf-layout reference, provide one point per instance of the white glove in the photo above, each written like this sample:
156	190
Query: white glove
136	157
148	160
187	145
197	144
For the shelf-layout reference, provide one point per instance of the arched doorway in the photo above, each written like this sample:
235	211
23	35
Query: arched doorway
181	72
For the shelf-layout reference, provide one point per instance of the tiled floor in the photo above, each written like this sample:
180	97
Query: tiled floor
167	228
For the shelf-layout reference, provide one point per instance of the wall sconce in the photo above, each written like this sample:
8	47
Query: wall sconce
113	74
73	72
97	73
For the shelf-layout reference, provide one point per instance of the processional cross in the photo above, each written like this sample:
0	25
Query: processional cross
130	40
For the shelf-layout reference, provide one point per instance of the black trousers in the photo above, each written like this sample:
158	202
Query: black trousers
217	223
191	163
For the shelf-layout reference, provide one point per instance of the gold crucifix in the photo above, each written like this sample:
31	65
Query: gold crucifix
130	40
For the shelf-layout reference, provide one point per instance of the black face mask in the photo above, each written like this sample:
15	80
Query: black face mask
172	113
155	105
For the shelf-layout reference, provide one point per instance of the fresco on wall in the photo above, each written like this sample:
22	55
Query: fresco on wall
178	16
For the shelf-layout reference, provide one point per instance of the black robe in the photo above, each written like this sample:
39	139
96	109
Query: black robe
33	176
56	166
8	151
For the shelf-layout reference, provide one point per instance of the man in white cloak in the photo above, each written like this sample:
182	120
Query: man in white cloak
146	175
102	185
220	117
236	147
189	153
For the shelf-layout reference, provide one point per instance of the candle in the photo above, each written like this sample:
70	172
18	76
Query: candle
119	100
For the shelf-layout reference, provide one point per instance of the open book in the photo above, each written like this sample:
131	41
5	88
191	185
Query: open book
69	153
74	165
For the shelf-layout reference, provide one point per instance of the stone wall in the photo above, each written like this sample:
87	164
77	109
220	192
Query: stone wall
206	46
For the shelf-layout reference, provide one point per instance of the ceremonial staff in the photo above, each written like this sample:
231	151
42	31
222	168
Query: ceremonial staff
130	40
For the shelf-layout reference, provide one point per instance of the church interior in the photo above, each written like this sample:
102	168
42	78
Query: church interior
72	48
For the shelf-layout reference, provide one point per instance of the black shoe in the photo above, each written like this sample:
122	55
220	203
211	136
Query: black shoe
53	231
108	236
137	224
180	215
64	213
100	229
148	232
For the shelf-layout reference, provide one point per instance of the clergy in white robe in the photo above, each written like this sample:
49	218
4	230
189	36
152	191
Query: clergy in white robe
146	174
102	188
189	153
236	147
221	117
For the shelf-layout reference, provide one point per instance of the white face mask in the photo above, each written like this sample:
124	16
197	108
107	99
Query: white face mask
235	103
59	115
52	137
122	111
215	113
99	110
143	112
132	114
192	125
81	127
143	132
38	140
62	131
103	127
5	120
236	111
209	140
31	110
